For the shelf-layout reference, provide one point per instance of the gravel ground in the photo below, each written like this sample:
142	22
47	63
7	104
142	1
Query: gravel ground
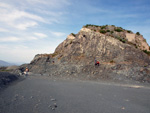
40	94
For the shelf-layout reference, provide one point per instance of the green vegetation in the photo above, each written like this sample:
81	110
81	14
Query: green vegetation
66	45
87	25
138	33
112	61
129	31
145	65
102	31
108	30
147	52
4	69
144	40
71	42
136	46
103	27
118	30
112	32
54	54
121	39
73	34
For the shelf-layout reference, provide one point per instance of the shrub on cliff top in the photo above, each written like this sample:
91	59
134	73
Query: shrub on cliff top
129	31
87	25
102	31
147	52
73	34
118	30
103	27
138	33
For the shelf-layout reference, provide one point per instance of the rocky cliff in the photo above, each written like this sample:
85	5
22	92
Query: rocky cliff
123	55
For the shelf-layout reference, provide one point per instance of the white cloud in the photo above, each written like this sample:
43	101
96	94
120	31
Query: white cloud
51	3
13	17
3	30
9	39
41	35
21	46
18	39
24	26
3	5
58	34
14	13
21	21
37	1
29	38
8	15
30	16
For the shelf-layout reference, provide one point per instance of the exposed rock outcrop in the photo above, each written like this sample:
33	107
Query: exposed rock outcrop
119	51
6	78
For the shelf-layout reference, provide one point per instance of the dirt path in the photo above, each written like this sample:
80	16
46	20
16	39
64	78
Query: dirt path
45	95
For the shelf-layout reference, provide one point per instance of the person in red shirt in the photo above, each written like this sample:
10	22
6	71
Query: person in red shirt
26	71
97	63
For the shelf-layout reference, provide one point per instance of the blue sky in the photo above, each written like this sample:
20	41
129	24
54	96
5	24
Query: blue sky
30	27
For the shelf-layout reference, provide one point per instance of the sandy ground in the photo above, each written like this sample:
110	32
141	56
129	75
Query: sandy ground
38	94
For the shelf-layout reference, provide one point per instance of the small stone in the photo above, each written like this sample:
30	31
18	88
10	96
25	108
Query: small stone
49	106
127	100
53	108
16	95
14	99
123	108
36	106
53	99
55	105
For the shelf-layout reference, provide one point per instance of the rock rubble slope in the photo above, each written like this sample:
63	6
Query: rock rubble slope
123	55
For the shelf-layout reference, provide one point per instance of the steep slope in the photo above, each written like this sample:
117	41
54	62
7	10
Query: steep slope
119	51
87	45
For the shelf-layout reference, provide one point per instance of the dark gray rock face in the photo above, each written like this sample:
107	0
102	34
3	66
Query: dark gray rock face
75	57
6	78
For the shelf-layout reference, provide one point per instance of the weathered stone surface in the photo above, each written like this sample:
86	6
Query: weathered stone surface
6	78
75	56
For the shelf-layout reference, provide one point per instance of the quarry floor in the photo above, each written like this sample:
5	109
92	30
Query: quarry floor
40	94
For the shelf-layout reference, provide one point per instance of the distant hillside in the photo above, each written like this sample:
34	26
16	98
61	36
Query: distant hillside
4	63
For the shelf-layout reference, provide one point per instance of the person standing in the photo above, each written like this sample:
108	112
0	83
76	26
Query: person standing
96	62
26	71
